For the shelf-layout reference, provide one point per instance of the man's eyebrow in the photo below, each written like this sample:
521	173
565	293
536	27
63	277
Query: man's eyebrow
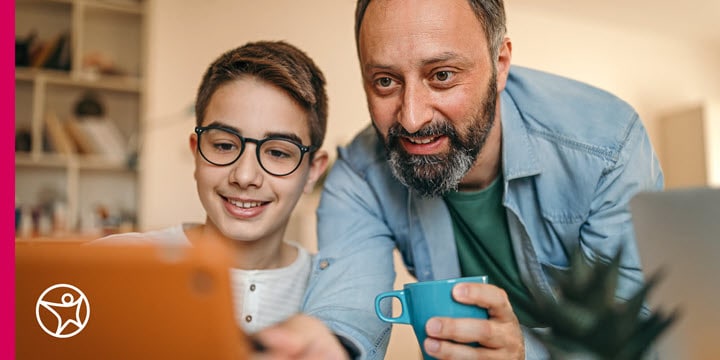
443	57
439	58
372	66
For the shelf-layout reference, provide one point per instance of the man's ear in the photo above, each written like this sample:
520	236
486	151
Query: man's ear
318	166
503	63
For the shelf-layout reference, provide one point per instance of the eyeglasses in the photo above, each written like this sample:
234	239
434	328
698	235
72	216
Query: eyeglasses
278	156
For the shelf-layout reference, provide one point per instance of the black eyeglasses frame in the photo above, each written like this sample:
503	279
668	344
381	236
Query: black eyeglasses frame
199	130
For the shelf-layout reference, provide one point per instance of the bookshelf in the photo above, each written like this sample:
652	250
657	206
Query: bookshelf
69	181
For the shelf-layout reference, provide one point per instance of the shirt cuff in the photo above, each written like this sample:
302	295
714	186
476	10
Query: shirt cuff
352	351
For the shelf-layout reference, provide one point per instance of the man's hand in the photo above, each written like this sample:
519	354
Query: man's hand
299	337
499	335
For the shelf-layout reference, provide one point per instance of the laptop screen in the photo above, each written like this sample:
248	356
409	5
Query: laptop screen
678	231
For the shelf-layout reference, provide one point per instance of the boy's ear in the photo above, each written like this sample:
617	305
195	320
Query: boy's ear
193	150
193	144
317	169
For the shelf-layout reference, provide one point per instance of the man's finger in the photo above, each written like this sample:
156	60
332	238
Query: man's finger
460	330
490	297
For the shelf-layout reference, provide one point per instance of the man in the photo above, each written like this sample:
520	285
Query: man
472	167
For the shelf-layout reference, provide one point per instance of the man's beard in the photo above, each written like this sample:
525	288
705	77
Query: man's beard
436	175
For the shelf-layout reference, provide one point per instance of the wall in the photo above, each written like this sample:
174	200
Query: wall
655	73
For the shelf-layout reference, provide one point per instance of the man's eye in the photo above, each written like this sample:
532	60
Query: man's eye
443	75
384	82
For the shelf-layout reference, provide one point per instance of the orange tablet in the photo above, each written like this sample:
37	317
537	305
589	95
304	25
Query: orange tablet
124	302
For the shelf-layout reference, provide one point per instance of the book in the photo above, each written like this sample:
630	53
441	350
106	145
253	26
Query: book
45	50
83	142
59	57
106	138
59	140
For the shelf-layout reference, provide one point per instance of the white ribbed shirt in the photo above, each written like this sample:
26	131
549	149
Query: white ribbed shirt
262	297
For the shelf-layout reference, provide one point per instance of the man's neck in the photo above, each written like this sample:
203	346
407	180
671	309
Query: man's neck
488	163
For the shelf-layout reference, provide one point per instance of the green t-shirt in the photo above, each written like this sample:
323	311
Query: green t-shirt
483	242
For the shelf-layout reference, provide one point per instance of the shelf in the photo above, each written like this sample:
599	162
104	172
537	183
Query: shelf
101	82
61	161
26	159
128	7
96	162
119	6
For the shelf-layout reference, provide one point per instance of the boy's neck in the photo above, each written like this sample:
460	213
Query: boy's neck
248	255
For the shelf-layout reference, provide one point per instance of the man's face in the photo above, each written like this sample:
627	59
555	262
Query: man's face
431	88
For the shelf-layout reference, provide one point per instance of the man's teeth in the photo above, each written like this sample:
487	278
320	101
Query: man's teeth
426	140
245	204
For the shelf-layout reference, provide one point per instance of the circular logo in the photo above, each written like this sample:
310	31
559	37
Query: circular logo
62	310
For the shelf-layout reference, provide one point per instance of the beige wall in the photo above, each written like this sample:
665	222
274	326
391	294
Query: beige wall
655	73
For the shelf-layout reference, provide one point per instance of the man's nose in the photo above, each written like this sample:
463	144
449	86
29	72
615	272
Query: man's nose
416	109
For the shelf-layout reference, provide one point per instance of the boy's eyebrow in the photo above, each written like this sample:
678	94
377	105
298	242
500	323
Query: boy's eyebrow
285	135
224	126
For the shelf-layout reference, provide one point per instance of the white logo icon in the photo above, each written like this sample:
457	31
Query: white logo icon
62	310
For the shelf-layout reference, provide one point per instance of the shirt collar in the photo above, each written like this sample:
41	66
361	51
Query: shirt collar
519	158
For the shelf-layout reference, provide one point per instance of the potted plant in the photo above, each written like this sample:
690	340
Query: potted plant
585	321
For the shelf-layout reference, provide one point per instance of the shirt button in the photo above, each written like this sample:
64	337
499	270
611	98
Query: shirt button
252	287
324	264
248	318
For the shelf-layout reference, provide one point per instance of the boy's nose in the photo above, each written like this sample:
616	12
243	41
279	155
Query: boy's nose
246	171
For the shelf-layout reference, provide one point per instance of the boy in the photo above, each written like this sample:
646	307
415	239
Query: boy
261	113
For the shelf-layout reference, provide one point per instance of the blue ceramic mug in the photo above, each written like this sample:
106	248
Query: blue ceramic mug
421	301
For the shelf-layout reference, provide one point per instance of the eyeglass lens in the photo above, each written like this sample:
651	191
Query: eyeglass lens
276	156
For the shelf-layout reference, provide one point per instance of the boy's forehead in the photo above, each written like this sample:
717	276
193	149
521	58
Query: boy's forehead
256	108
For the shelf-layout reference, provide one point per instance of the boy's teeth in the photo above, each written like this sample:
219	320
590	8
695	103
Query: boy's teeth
244	204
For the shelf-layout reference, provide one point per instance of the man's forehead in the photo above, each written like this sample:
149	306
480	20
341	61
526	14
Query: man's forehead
425	31
408	18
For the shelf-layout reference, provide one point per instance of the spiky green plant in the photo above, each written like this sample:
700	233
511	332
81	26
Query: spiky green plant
585	320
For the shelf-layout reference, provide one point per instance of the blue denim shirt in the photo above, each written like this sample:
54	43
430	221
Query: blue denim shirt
572	157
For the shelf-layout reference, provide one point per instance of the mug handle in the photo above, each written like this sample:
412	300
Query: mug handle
404	318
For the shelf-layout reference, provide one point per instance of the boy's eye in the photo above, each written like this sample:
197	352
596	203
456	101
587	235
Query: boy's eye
225	146
278	154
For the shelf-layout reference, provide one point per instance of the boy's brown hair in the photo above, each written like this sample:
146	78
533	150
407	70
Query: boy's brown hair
278	63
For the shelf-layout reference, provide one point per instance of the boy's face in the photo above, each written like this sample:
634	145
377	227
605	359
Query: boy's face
242	201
